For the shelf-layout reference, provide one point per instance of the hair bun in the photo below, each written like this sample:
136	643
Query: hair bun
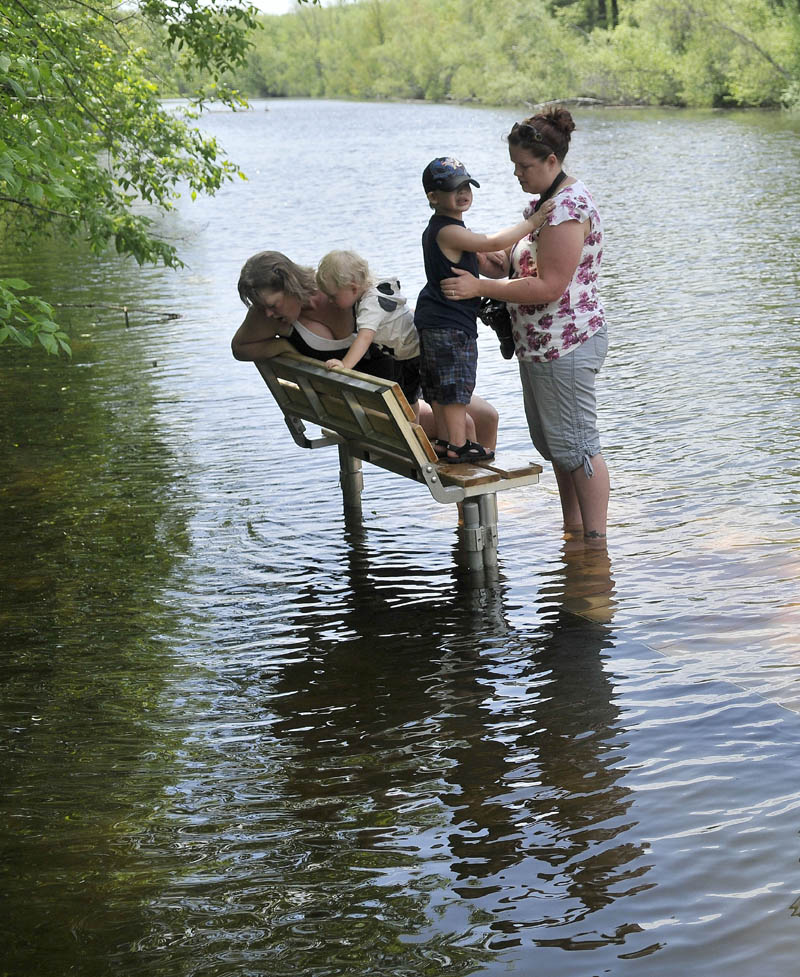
560	118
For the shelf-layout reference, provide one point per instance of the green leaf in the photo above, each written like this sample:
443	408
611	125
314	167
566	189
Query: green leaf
48	341
23	338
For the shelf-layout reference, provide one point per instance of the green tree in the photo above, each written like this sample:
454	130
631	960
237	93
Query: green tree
742	52
84	136
671	52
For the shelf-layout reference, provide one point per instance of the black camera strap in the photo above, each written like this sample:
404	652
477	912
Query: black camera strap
550	190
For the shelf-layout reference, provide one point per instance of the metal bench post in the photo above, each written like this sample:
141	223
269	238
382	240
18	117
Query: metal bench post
473	534
487	506
350	478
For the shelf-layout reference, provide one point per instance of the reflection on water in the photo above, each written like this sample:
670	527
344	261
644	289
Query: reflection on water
242	735
90	540
416	800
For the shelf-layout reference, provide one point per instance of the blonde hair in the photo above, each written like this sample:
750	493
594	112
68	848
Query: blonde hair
274	272
340	268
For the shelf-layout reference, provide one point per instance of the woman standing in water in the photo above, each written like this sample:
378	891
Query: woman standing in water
558	321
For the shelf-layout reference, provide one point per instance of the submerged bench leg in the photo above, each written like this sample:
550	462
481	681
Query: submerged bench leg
487	504
473	535
350	478
480	532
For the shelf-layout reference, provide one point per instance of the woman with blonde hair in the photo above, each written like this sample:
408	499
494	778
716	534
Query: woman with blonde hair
286	310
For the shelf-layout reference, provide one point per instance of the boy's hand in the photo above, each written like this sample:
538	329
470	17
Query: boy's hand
536	219
334	364
493	264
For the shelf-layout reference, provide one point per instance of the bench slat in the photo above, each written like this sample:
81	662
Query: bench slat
291	367
392	385
351	421
508	468
424	443
464	475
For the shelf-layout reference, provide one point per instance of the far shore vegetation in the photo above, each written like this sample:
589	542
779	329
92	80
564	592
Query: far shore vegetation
689	53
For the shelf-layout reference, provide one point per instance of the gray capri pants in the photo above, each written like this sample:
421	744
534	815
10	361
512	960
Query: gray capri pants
561	407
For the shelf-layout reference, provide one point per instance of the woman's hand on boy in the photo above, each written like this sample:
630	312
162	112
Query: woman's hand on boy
464	286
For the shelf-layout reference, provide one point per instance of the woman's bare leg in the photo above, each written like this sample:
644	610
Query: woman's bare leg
584	501
570	507
593	500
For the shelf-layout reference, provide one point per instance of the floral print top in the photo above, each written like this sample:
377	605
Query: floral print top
547	332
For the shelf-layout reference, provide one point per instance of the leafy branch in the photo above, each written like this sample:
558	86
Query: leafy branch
84	137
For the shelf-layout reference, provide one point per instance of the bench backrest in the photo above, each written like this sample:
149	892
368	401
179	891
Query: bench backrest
373	419
357	407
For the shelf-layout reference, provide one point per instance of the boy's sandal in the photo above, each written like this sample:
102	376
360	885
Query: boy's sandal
440	446
470	451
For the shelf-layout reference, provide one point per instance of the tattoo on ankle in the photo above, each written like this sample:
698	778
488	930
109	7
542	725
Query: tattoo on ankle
593	534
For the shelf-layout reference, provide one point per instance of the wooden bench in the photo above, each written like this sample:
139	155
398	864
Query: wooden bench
369	419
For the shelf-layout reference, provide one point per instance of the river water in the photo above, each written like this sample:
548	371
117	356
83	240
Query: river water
242	737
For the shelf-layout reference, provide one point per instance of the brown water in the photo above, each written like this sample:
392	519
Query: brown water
242	737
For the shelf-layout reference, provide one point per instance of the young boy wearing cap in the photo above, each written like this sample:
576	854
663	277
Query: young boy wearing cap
447	328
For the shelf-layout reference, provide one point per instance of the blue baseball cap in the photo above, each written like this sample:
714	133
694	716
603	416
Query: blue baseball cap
445	173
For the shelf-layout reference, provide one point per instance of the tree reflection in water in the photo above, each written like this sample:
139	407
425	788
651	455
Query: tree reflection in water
453	780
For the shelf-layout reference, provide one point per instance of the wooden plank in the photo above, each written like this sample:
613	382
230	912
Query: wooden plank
416	446
464	475
295	367
511	468
366	417
425	444
503	485
335	400
389	385
332	409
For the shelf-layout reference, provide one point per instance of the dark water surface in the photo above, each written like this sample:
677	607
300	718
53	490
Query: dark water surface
241	737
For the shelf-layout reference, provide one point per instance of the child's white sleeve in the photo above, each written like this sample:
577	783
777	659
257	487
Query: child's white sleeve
369	313
379	303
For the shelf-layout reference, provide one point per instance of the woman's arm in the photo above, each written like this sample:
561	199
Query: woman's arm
358	348
253	340
558	252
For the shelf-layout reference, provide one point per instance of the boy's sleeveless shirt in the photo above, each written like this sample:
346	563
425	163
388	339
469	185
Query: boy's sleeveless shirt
433	310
